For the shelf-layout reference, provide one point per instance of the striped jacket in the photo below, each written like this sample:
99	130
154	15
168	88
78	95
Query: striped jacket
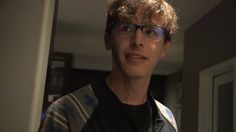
71	112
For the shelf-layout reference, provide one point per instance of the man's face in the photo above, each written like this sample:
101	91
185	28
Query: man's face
135	56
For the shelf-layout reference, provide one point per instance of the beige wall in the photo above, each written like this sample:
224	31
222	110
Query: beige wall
25	29
210	41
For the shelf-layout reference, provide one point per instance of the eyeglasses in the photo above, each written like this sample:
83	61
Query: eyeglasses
150	32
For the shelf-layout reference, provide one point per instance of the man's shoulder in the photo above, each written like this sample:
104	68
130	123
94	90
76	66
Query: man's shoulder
70	111
166	112
83	97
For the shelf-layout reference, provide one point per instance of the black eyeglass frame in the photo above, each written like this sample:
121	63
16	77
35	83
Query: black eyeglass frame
167	36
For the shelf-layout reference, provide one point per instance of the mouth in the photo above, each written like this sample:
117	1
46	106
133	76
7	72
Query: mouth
135	57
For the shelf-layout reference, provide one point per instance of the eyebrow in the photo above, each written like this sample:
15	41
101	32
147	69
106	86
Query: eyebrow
141	24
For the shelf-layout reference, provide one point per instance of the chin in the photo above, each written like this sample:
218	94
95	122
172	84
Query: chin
136	74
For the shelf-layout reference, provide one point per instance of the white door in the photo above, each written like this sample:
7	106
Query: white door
223	100
217	98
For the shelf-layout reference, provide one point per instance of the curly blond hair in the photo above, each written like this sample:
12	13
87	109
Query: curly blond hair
125	9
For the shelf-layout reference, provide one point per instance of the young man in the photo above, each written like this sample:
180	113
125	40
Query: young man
138	32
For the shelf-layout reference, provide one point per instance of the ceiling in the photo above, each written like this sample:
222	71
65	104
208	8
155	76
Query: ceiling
80	28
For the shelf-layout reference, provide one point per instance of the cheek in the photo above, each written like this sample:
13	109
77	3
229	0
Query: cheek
155	53
116	51
118	46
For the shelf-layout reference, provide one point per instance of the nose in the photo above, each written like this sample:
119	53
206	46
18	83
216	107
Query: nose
138	40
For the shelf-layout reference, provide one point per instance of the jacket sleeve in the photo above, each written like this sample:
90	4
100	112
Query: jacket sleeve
54	120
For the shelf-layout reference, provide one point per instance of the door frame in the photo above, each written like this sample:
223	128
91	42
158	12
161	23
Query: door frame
205	123
40	77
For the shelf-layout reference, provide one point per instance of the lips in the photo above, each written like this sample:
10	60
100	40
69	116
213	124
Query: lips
135	57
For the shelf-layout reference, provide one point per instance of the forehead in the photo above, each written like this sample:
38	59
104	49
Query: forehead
142	18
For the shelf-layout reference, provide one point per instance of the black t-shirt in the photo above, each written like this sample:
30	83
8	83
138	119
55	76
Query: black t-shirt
141	114
111	115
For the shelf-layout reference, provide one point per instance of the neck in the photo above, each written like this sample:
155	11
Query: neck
131	91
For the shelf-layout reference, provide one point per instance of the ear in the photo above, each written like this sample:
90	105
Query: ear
166	46
107	41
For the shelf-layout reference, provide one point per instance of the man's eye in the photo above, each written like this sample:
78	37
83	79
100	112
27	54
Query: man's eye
125	28
151	32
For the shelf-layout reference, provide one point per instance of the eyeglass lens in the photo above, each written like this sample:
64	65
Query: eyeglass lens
127	30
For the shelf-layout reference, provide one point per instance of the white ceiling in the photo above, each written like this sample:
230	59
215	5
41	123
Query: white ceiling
80	29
